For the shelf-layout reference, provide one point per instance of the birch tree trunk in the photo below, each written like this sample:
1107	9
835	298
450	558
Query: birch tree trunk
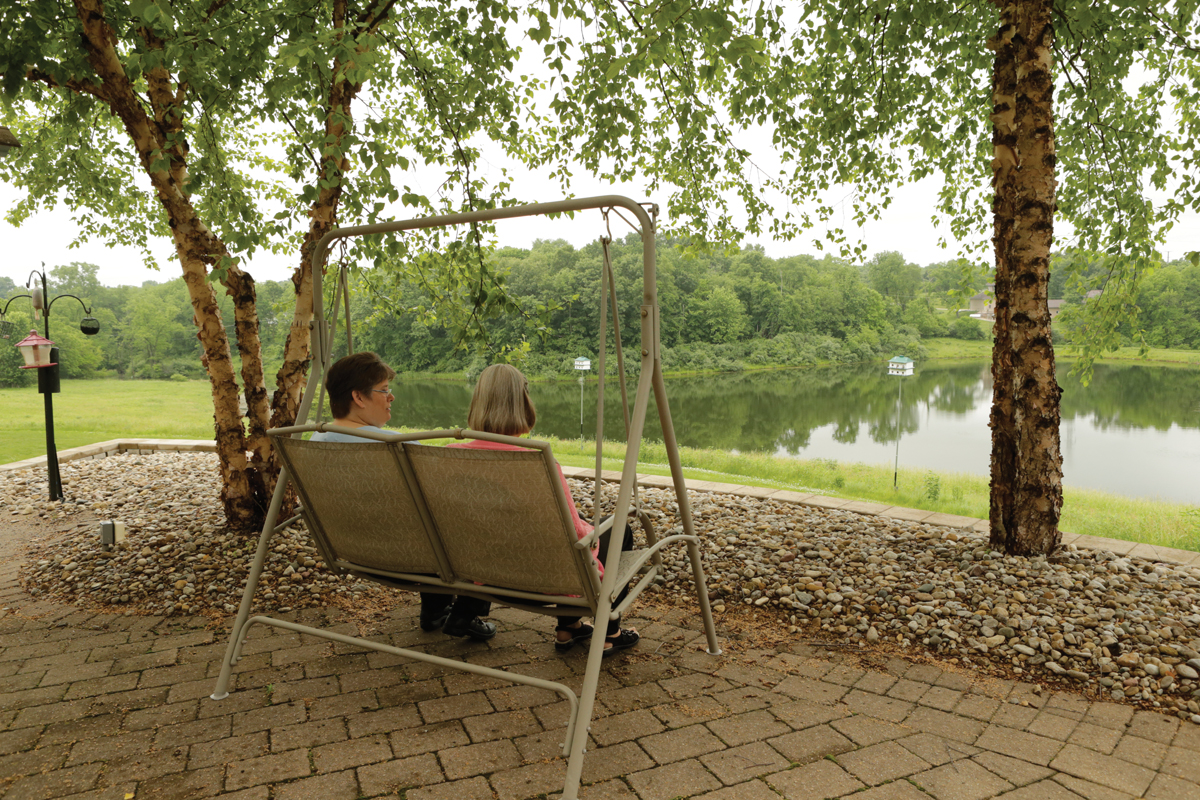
1026	486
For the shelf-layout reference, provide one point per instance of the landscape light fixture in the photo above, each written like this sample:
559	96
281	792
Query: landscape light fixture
902	367
41	354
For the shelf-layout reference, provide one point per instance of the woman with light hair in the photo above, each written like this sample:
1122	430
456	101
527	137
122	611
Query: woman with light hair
501	405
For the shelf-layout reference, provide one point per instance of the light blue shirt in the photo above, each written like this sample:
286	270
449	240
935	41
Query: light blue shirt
333	436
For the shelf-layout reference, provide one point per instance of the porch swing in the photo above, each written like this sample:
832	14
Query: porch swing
393	510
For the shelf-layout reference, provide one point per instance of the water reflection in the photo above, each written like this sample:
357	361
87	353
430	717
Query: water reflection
1134	430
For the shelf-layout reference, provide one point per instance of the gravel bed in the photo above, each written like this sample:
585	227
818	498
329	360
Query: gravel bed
1120	626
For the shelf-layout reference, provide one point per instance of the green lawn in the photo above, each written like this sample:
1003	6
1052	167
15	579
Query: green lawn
93	411
960	349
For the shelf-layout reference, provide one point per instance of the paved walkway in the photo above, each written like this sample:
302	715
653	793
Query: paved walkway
98	706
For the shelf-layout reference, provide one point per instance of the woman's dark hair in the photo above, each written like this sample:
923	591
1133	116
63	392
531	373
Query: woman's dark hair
357	373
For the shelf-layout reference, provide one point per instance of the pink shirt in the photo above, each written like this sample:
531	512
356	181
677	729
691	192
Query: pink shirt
582	528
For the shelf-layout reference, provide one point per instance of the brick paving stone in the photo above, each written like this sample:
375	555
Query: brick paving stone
117	746
28	762
308	734
896	790
881	762
97	686
531	780
1018	717
935	749
878	706
1141	751
203	730
844	675
681	743
557	715
146	766
120	792
910	691
630	698
1089	790
1050	724
1042	790
1153	726
1013	770
693	685
1182	762
18	740
391	776
1095	737
428	738
1027	694
469	789
607	763
875	682
961	780
1106	770
977	707
940	723
1164	787
682	779
341	705
1068	705
168	676
383	721
812	691
1018	744
308	689
750	727
501	725
511	698
941	698
267	769
740	764
749	675
811	744
77	730
682	713
338	756
817	781
258	719
406	693
185	786
334	786
865	731
1109	715
748	698
623	727
55	712
923	673
545	745
55	783
224	751
800	714
751	790
479	759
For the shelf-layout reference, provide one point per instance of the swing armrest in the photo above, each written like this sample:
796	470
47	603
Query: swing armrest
588	541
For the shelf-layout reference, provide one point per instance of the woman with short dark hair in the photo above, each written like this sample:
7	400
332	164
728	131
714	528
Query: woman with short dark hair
359	397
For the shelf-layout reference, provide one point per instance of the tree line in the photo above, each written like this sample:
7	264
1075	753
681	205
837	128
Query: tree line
724	312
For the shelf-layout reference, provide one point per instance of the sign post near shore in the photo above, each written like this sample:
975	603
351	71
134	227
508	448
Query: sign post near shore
582	365
902	367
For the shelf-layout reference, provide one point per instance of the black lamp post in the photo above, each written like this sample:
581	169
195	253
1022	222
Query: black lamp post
45	363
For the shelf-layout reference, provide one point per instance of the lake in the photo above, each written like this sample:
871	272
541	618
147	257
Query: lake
1134	430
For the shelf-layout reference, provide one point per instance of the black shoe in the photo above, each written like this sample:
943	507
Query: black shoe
476	628
431	623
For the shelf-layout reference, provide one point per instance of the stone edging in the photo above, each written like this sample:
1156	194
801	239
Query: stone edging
969	525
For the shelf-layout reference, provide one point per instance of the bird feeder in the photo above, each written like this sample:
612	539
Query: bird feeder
900	365
35	349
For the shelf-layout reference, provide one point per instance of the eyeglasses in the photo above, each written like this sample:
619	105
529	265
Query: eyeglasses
384	391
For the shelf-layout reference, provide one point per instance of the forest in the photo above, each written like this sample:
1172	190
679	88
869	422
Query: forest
720	312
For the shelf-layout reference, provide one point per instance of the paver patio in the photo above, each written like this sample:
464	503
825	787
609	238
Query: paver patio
100	706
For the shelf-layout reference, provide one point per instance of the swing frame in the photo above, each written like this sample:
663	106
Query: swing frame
650	379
